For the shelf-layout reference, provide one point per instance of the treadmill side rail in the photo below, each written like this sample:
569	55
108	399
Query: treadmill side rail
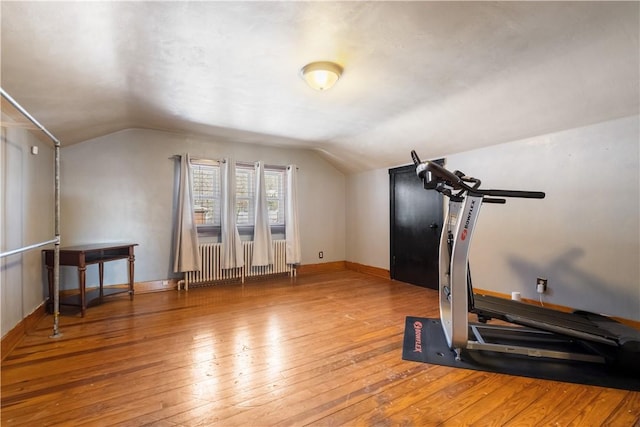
560	351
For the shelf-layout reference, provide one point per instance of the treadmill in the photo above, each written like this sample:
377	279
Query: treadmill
534	330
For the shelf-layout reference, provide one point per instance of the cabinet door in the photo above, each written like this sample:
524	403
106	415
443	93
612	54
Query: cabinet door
416	222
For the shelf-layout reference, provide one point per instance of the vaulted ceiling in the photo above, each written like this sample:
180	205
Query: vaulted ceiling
441	77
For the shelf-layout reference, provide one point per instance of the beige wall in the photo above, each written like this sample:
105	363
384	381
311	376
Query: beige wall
583	237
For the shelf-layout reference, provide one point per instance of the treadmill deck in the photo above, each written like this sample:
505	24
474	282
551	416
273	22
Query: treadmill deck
570	324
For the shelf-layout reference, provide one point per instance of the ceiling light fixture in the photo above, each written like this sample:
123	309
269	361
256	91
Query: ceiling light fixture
321	75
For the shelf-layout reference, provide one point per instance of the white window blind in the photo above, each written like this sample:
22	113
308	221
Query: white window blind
274	180
245	195
206	190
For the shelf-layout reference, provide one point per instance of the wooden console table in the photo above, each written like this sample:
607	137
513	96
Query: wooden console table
81	256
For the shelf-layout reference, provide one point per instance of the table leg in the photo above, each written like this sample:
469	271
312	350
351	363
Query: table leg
50	281
131	261
81	279
101	274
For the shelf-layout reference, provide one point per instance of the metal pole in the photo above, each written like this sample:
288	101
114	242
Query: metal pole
56	249
25	113
56	252
27	248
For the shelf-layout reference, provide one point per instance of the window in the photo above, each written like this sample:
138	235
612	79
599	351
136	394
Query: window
245	195
207	194
274	180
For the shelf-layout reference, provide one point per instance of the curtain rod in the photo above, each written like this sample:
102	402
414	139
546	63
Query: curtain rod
198	159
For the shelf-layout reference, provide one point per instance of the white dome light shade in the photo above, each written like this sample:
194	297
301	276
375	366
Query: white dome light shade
321	75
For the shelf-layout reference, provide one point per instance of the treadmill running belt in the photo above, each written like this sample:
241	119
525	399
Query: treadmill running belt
531	315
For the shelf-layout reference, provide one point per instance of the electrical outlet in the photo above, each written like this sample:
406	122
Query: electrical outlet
541	285
320	254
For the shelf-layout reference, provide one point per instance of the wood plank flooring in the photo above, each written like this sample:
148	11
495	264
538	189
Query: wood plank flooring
322	349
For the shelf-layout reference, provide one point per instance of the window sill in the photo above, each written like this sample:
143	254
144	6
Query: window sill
244	230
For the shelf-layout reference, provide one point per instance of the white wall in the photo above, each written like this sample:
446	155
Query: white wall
368	218
120	187
26	215
583	237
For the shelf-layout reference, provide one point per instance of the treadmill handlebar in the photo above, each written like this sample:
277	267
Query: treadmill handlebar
513	193
433	174
428	170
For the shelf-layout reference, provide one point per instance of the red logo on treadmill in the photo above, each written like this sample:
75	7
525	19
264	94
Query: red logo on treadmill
417	328
463	235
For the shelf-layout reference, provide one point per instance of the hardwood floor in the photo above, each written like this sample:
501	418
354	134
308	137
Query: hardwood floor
321	349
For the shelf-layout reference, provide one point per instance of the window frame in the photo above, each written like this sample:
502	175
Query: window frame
214	230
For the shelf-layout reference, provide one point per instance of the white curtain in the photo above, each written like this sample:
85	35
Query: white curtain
262	246
232	253
186	255
292	234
